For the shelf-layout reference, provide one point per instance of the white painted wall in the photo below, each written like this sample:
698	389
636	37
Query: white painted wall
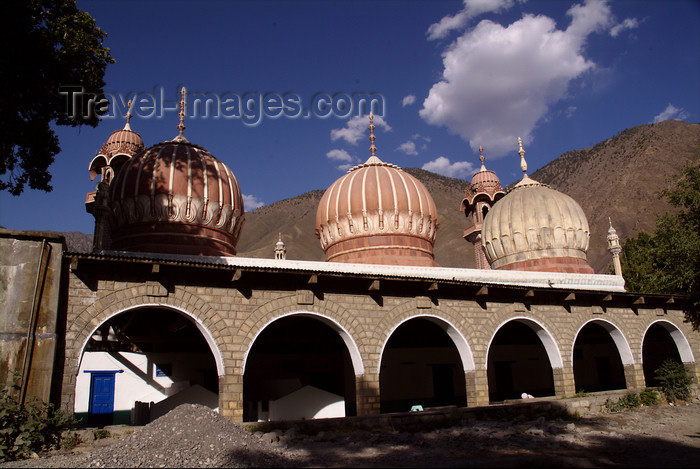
307	403
128	387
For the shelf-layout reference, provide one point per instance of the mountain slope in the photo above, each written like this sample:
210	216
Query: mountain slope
620	177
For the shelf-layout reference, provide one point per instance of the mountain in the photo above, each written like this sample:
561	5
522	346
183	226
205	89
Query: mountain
617	178
620	178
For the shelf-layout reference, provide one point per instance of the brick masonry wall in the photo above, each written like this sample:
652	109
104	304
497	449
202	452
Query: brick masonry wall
366	320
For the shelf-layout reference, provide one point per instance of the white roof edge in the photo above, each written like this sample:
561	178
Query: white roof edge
519	278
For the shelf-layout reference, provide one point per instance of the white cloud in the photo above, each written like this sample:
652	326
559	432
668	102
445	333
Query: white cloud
671	112
345	167
408	147
499	82
250	202
408	100
442	165
629	23
356	128
471	9
339	155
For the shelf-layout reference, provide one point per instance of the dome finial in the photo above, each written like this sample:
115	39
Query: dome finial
372	148
521	152
128	116
481	157
181	125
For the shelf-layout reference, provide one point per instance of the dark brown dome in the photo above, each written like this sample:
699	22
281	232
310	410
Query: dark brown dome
175	197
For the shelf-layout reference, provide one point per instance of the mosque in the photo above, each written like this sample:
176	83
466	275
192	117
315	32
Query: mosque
162	311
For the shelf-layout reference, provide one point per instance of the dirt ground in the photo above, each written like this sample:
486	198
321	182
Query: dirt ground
195	436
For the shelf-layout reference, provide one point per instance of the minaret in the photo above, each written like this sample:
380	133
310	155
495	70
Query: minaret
614	248
280	249
121	146
484	191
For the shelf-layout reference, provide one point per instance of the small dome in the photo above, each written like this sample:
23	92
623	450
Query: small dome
534	227
485	185
177	198
120	147
377	214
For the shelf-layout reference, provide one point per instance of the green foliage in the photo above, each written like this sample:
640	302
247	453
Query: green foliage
29	429
101	434
668	261
48	44
628	401
674	379
649	397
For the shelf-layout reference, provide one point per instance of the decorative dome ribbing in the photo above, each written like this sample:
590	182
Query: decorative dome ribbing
119	148
176	197
377	214
536	228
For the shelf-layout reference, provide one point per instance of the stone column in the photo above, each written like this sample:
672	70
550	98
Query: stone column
564	384
367	394
477	388
634	377
231	396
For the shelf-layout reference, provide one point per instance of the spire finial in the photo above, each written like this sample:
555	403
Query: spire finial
128	116
523	163
372	148
481	157
181	125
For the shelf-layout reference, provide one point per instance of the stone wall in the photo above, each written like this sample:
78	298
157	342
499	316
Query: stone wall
231	313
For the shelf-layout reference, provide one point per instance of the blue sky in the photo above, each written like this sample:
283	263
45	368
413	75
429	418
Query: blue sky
451	75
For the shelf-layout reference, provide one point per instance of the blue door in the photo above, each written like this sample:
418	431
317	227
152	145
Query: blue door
101	411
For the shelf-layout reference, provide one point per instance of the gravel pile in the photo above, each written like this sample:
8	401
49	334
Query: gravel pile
196	436
188	436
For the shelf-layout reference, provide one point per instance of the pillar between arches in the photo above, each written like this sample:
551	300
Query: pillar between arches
564	384
231	396
477	382
634	377
367	394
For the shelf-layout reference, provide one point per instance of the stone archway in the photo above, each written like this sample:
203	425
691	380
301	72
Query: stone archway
423	363
146	359
599	357
663	340
522	356
300	365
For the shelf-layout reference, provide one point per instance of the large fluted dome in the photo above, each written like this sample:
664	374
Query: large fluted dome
377	214
175	197
535	227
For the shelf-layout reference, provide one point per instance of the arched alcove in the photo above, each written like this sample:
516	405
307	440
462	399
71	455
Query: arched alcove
521	356
141	362
298	366
422	364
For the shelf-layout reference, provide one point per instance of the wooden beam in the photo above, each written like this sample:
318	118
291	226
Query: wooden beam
570	297
638	301
374	286
607	297
483	291
313	279
433	286
155	268
237	275
530	293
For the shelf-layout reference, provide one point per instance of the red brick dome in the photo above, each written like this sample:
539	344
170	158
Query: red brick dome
377	214
175	197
